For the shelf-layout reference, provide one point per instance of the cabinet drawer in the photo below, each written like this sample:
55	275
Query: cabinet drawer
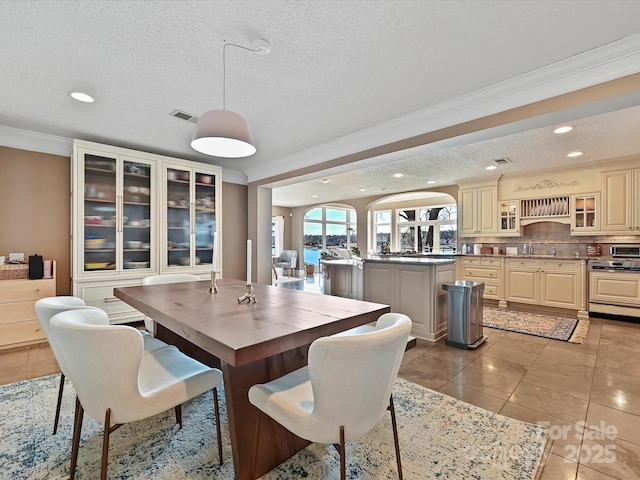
522	262
471	261
481	273
490	291
21	332
101	296
573	265
491	262
14	312
20	290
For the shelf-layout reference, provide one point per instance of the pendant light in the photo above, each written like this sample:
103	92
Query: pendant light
223	133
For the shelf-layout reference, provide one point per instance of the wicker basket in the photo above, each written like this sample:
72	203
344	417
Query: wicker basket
14	272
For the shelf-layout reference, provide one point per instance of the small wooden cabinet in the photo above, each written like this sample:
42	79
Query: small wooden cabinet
19	323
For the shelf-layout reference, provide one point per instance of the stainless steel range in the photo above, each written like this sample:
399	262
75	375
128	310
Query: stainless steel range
614	285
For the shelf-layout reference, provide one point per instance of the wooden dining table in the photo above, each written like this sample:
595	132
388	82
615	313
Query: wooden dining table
251	343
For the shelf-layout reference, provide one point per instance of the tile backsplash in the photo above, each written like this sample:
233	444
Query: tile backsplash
557	235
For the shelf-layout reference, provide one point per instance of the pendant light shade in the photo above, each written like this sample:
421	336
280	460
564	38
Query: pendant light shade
223	133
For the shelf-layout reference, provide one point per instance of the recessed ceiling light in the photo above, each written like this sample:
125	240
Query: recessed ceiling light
398	175
431	181
362	189
325	180
563	129
82	97
574	154
384	189
491	166
314	196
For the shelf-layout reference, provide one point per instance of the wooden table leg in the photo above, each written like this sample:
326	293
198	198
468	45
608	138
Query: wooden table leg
276	444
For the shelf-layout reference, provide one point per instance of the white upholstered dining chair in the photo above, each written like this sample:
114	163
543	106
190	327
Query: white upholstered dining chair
159	279
47	307
344	390
117	383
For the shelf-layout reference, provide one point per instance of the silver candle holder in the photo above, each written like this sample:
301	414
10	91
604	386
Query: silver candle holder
214	286
248	294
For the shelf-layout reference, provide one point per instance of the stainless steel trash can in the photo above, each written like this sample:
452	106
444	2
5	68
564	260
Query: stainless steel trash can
464	314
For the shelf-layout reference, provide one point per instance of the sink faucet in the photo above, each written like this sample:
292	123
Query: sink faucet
551	249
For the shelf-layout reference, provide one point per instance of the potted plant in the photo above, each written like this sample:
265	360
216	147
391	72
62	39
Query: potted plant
310	268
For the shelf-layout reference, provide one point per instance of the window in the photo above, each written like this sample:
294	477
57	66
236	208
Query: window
326	227
422	229
382	229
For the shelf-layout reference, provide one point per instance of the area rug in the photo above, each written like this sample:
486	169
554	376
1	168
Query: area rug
557	328
282	280
440	437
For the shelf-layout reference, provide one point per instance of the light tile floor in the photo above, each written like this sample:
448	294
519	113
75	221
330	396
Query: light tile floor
520	376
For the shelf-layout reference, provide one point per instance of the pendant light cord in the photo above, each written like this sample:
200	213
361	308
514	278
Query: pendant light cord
224	67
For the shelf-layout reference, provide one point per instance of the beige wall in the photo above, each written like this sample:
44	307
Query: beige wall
35	210
234	230
35	214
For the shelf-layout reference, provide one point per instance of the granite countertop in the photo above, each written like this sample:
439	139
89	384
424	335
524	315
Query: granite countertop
391	259
539	256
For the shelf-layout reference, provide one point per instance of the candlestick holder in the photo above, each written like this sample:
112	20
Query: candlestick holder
214	286
248	294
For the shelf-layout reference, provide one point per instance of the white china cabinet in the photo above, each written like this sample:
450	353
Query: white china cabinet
136	214
191	197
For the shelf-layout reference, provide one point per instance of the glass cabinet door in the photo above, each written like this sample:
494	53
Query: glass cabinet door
584	213
179	217
205	215
100	212
136	215
508	216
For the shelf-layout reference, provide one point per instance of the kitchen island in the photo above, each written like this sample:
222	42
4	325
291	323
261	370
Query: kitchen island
409	285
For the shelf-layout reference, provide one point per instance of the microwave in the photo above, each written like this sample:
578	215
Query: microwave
625	250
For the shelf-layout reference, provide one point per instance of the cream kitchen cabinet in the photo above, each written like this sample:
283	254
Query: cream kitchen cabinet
509	221
620	197
412	289
522	281
585	214
558	283
483	269
477	211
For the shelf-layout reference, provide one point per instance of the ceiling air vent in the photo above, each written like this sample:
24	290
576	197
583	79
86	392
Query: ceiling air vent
501	161
184	116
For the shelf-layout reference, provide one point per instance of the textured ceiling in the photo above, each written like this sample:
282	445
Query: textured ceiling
336	69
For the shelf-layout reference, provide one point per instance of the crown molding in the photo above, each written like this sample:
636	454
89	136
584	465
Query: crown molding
35	142
51	144
608	62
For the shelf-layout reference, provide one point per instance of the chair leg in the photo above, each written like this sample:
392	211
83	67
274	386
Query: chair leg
343	460
255	446
216	409
105	444
395	436
75	445
60	390
178	409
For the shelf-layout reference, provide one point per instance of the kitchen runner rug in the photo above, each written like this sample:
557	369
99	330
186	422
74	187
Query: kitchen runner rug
557	328
440	437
